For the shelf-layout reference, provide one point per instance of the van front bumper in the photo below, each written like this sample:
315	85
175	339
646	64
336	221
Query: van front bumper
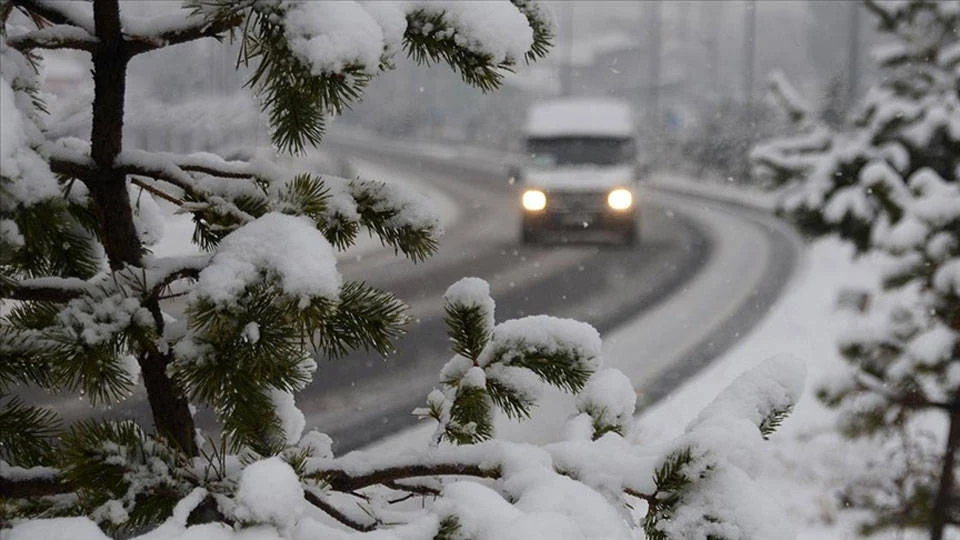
612	220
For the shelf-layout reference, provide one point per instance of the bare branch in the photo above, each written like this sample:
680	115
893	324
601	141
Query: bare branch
156	166
74	169
162	194
182	273
140	44
61	36
337	514
413	489
651	499
51	289
33	487
340	480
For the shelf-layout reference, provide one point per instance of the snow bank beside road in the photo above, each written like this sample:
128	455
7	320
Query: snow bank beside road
810	461
717	190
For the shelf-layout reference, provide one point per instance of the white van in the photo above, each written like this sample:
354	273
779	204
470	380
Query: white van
580	169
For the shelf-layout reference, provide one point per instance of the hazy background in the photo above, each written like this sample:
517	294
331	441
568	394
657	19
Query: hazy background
695	70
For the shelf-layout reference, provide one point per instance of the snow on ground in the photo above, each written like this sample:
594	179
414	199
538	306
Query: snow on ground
714	188
809	462
802	471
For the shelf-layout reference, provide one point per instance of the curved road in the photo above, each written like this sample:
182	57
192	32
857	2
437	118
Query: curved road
703	273
715	269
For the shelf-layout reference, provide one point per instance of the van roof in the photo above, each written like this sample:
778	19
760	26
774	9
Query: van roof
580	116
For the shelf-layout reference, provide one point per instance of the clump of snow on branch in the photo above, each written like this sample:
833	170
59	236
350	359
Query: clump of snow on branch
270	492
609	399
330	35
27	179
543	334
287	248
291	418
472	293
775	385
496	29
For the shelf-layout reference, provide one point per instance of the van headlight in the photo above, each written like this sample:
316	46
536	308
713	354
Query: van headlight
620	199
534	200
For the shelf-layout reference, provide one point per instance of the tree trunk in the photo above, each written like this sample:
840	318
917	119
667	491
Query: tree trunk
945	498
111	202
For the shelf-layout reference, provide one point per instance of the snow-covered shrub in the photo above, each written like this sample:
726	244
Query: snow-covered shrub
239	328
889	184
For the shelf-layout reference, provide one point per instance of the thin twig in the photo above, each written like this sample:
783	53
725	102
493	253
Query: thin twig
137	182
337	514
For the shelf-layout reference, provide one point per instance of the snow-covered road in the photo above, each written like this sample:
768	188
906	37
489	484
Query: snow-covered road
705	272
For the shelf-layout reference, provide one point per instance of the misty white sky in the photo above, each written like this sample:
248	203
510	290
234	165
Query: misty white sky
809	40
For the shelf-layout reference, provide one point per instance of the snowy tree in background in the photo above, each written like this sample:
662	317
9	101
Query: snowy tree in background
889	184
238	329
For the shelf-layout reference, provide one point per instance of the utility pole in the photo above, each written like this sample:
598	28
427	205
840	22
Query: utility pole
710	14
566	72
749	48
654	64
853	55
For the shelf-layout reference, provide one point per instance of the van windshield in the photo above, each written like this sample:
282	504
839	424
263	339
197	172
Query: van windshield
560	151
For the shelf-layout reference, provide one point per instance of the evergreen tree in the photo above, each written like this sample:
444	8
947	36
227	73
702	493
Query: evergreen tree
85	304
889	184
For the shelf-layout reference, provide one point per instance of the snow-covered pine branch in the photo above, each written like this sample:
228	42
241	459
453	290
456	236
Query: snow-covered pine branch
699	485
787	97
89	310
889	184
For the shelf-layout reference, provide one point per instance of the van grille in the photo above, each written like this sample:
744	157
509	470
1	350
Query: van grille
578	201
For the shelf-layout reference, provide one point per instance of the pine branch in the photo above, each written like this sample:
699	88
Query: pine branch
430	39
26	433
25	357
543	32
471	417
365	318
54	37
514	404
118	461
159	166
467	328
295	99
671	481
773	420
58	241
